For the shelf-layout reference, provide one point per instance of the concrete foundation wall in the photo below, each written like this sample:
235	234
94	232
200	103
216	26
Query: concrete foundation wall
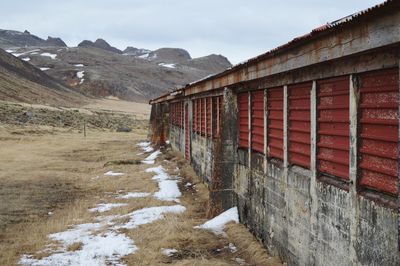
277	208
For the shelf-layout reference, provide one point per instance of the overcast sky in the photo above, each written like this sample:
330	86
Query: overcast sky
237	29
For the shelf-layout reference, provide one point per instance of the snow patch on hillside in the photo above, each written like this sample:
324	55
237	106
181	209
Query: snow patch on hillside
167	65
52	56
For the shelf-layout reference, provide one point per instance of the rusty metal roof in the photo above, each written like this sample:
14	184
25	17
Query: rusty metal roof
324	29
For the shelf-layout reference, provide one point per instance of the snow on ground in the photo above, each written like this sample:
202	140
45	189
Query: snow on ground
17	54
79	65
52	56
111	173
167	65
144	56
168	188
96	249
26	59
10	51
149	215
104	207
217	224
145	146
44	68
152	157
100	242
80	74
131	195
168	251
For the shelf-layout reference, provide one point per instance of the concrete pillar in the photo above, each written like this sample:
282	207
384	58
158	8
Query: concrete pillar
222	195
249	128
265	132
398	175
285	128
354	208
313	168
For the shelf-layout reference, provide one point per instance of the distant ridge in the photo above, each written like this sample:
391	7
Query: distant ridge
97	69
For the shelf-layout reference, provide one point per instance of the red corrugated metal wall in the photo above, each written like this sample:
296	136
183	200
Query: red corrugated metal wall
187	134
333	127
203	116
194	116
299	124
182	114
208	116
275	122
243	106
257	121
378	107
171	113
179	117
217	110
219	127
198	107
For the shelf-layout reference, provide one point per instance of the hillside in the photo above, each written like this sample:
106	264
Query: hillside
100	70
22	82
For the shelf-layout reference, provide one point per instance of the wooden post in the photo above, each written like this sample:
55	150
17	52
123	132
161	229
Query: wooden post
84	128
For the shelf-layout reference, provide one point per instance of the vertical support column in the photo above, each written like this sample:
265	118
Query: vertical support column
354	211
184	127
285	128
222	193
205	135
211	117
313	168
199	114
265	132
398	177
218	126
249	127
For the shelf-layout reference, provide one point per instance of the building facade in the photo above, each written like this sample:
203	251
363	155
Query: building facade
304	139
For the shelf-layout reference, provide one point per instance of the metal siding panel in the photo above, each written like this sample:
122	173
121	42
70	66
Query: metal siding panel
198	115
334	126
187	134
203	116
219	127
243	102
257	121
299	124
379	100
194	116
208	112
275	122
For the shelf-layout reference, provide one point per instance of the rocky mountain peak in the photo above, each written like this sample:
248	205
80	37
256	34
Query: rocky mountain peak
55	42
170	55
135	51
101	44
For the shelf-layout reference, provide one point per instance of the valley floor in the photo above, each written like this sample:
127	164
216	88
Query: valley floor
70	200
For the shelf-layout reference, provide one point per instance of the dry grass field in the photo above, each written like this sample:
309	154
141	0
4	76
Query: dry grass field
50	177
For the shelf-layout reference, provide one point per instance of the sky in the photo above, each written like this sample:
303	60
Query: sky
237	29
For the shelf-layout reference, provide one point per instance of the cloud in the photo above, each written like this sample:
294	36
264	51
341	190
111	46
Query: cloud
236	29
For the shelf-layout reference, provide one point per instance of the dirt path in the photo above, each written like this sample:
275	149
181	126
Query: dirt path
76	201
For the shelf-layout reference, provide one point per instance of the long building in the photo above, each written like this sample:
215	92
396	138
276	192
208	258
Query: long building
304	139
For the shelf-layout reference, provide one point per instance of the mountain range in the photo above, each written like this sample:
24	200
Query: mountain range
97	69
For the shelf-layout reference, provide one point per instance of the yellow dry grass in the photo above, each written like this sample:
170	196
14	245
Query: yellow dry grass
54	176
141	110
